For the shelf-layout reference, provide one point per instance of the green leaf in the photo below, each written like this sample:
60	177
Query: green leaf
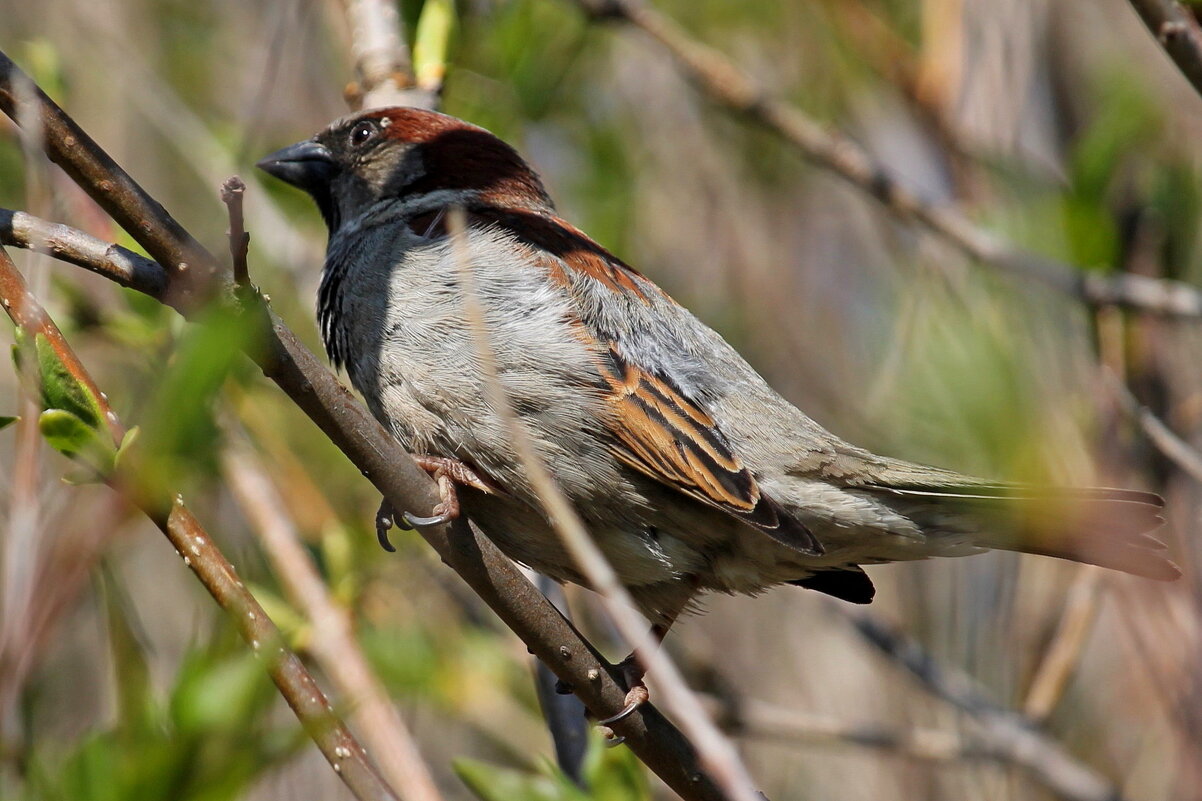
75	439
614	774
127	442
221	698
431	41
131	671
65	432
61	389
492	783
5	422
179	437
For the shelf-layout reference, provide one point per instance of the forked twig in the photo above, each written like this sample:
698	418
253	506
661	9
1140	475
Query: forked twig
1177	450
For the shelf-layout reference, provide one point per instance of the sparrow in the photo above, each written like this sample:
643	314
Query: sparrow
691	473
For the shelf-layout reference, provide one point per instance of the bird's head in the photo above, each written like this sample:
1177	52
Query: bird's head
405	153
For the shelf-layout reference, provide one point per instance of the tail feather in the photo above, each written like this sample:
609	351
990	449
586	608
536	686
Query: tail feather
1106	527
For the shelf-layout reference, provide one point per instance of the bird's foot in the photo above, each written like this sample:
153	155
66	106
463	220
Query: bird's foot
455	470
636	693
447	472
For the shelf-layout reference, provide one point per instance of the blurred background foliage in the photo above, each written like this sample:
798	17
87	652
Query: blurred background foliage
1059	125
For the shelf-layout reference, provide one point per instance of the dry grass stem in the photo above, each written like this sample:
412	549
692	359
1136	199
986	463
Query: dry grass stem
1064	652
333	644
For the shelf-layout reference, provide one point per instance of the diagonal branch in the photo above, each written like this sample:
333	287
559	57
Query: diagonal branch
1165	440
726	84
295	369
188	264
334	645
73	246
202	555
1008	735
1178	33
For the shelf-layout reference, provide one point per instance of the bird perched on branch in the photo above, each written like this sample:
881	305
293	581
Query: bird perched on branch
690	472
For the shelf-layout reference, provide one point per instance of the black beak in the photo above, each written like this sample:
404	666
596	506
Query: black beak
307	165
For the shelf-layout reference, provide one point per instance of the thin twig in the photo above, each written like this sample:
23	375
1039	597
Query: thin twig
770	721
333	644
1177	450
209	156
232	192
1177	31
202	555
726	84
1010	735
380	457
191	268
73	246
715	750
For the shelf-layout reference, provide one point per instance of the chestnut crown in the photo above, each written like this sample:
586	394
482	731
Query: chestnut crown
406	154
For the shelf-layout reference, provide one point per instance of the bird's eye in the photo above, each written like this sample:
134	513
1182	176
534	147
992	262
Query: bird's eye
363	133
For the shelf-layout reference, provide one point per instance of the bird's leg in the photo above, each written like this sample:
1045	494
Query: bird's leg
447	472
633	671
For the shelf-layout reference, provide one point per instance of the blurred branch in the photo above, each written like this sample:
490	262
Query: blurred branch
1177	30
210	156
714	750
202	555
375	452
770	721
1007	734
383	73
1064	652
1177	450
727	85
333	644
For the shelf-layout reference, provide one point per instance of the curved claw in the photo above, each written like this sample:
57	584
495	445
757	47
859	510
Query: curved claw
416	521
614	740
634	699
384	522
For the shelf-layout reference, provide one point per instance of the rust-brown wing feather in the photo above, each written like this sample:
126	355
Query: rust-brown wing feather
663	434
658	430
